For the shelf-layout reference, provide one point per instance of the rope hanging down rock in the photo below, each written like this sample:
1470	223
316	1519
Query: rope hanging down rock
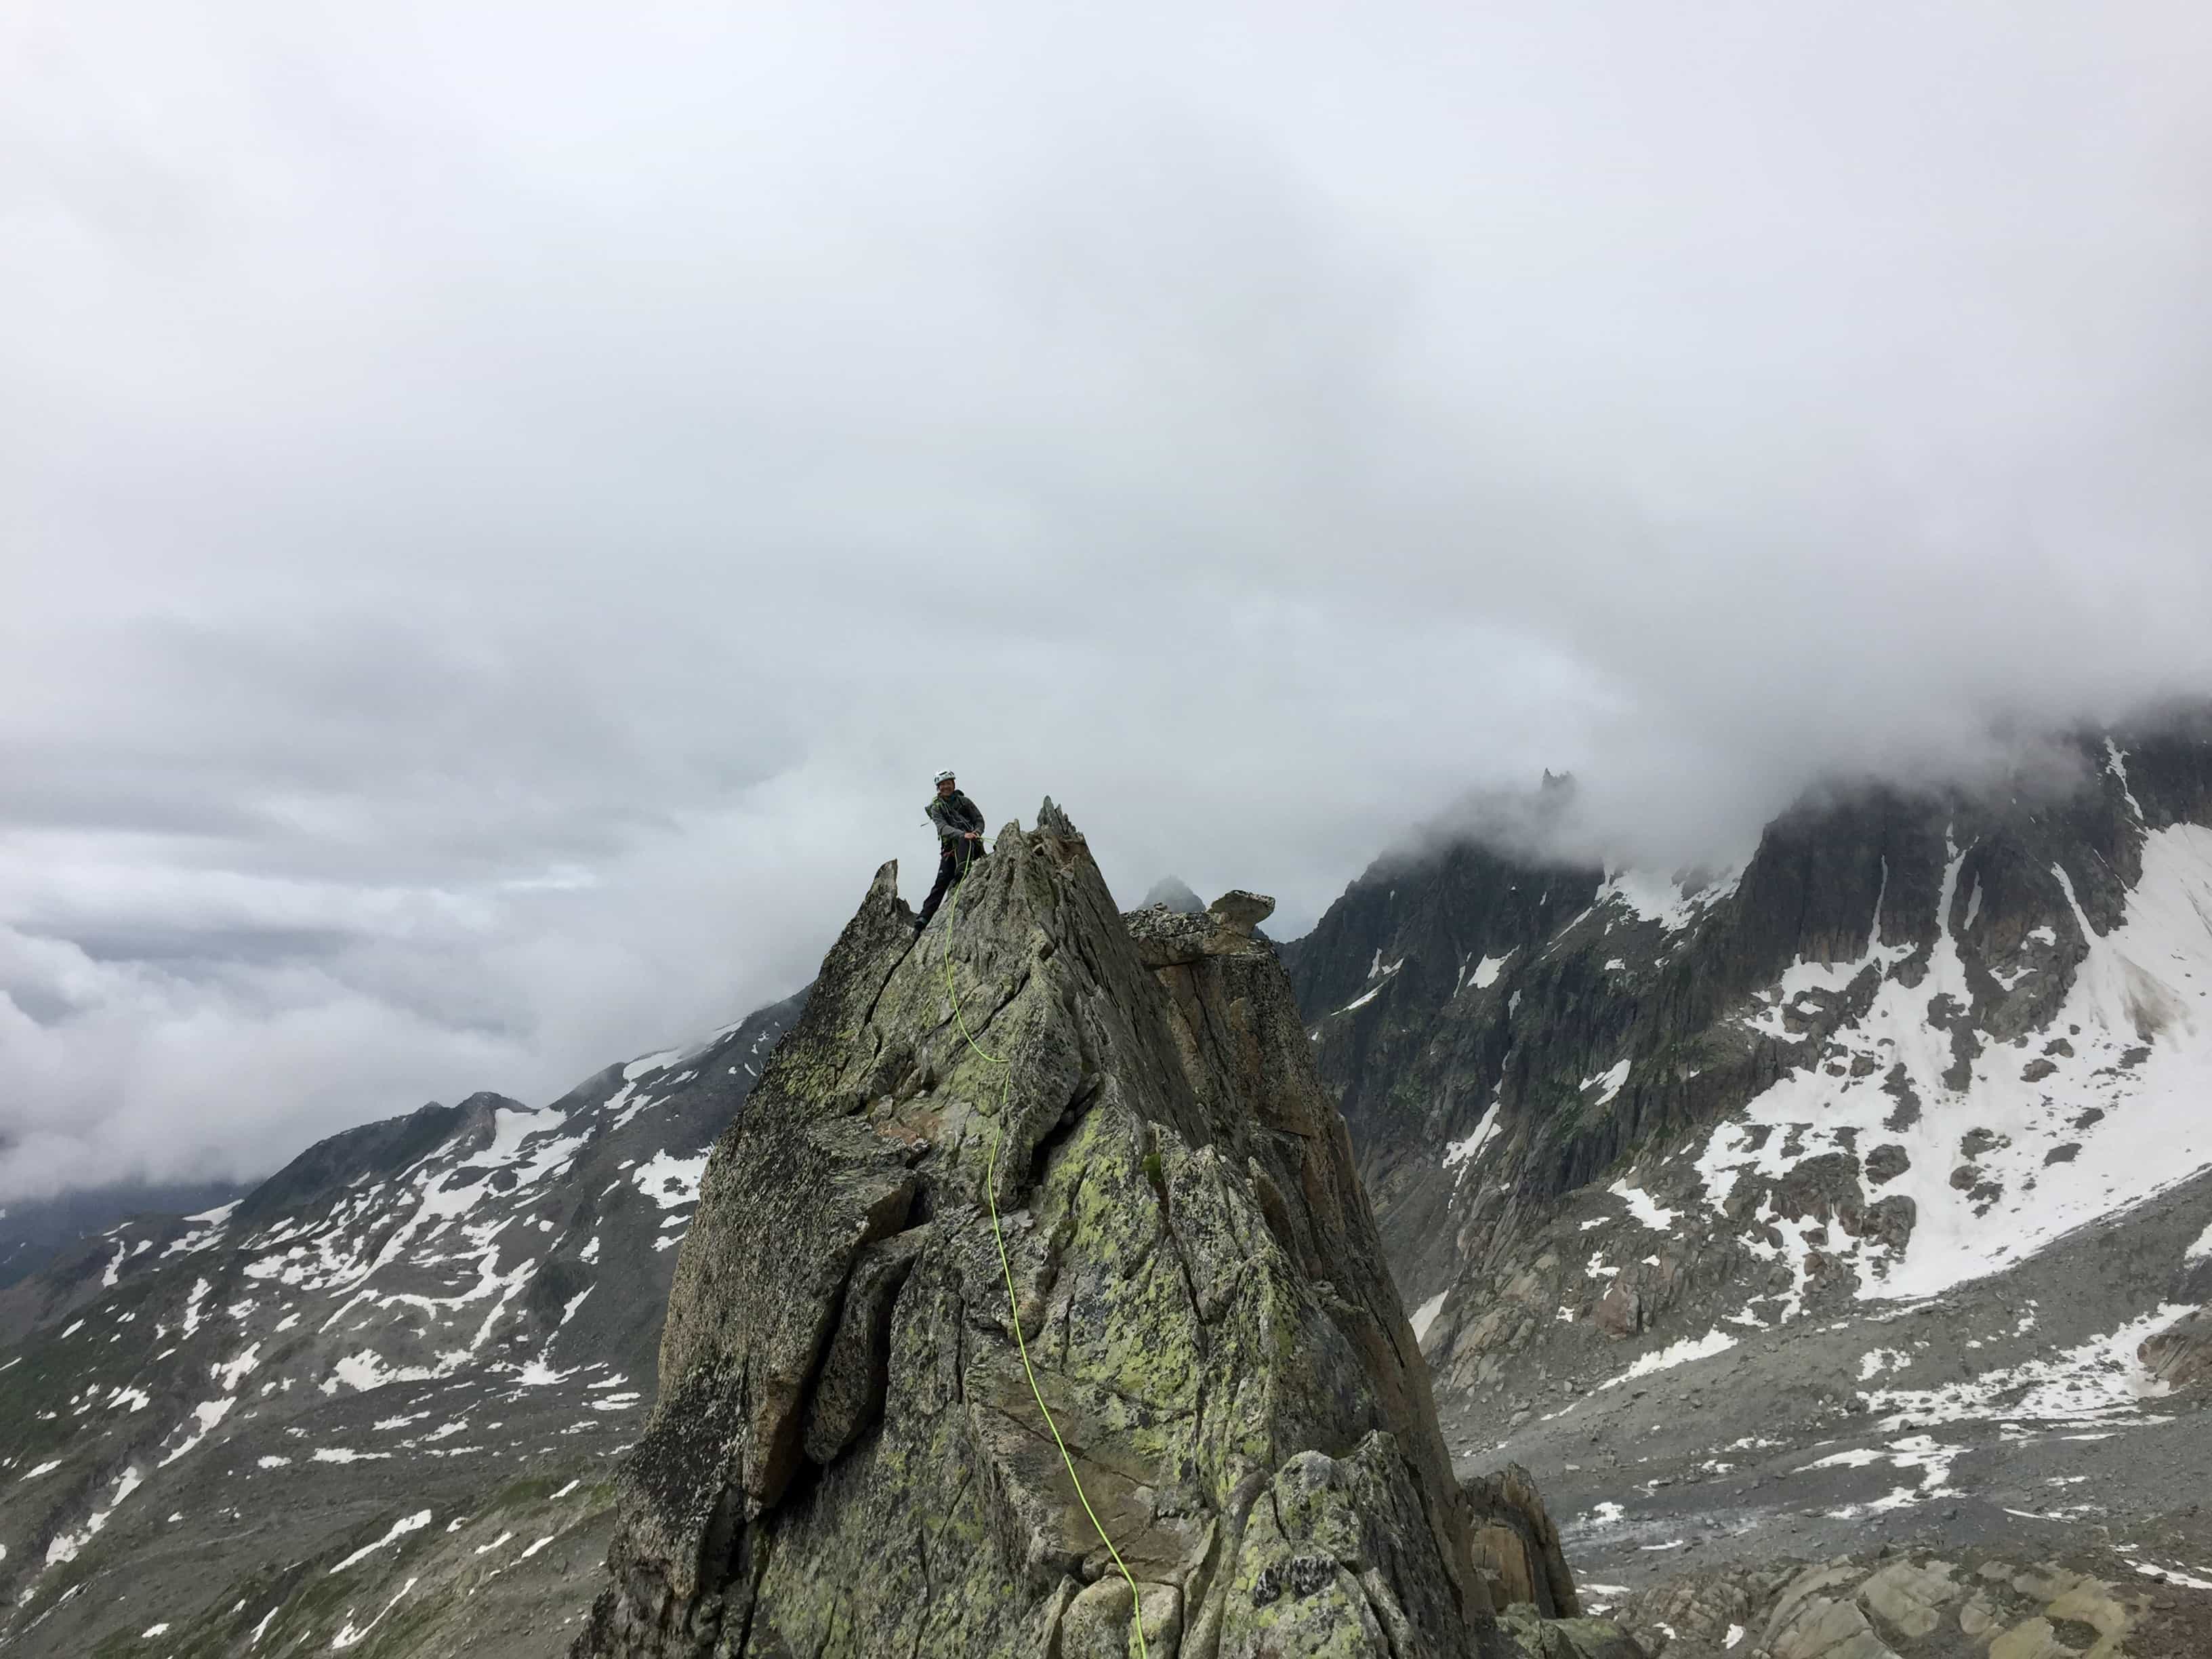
1005	1265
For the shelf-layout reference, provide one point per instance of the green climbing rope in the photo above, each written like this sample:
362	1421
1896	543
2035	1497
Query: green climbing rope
1006	1266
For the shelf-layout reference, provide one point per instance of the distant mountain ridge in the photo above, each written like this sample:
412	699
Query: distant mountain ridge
452	1315
34	1231
1502	1032
1933	1051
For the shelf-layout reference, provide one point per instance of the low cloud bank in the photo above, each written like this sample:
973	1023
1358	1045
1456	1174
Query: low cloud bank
506	510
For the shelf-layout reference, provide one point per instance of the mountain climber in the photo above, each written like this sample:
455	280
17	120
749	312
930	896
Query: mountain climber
959	823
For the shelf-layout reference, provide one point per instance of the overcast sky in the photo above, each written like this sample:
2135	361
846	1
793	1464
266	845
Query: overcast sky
502	508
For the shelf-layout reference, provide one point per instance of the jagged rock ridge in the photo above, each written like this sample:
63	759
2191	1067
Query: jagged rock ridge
846	1458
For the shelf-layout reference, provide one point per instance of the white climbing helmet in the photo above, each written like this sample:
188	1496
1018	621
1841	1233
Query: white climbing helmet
946	776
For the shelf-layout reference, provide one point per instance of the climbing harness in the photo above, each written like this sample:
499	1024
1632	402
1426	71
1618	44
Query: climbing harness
1006	1266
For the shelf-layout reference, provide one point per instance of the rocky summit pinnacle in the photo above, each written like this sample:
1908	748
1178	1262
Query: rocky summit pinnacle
846	1456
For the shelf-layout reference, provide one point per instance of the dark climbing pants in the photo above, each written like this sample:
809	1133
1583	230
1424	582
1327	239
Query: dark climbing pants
952	864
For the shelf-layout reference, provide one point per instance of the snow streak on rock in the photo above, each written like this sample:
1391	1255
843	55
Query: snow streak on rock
2132	1039
1674	901
1681	1353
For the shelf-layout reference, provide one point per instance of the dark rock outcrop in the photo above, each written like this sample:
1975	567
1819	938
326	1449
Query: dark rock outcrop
846	1456
2181	1354
1516	1546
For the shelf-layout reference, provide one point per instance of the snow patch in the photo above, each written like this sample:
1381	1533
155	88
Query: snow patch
2084	1385
1915	1452
1463	1151
200	1288
207	1415
233	1371
2169	1575
400	1529
1874	1363
1425	1316
207	1227
1857	1459
64	1548
669	1180
347	1636
1667	900
1607	1083
659	1062
2116	762
366	1370
1682	1354
1643	1207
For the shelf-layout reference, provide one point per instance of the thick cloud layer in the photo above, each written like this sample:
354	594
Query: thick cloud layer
505	506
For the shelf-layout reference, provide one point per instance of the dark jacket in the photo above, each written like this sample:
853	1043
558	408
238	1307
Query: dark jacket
955	816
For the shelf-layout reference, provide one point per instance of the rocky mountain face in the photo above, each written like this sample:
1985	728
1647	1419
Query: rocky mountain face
373	1405
1867	1186
1034	1273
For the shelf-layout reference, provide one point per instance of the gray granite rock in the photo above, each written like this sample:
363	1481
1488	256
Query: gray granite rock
849	1455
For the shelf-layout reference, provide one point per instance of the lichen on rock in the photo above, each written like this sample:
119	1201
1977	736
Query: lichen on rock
846	1456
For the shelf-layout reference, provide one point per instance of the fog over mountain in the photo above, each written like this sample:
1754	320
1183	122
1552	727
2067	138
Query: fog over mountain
505	509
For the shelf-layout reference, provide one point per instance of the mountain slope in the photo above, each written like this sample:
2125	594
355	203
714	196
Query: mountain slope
432	1327
1942	1051
35	1232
